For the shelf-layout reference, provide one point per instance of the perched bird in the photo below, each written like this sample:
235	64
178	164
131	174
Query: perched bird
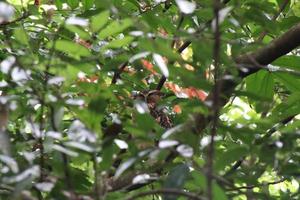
152	98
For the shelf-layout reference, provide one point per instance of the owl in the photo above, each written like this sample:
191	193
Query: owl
151	98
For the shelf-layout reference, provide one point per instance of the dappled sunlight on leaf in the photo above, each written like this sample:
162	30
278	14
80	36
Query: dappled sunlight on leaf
158	59
187	7
77	21
149	99
6	12
185	150
78	132
167	143
32	172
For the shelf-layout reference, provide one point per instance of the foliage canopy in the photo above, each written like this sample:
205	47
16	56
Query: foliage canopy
153	99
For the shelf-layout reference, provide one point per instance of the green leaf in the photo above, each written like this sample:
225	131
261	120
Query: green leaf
115	27
59	4
81	33
230	156
134	2
97	105
289	107
107	156
73	3
199	179
73	49
21	36
145	122
87	4
218	192
82	183
288	61
120	43
291	82
176	179
159	46
261	84
98	21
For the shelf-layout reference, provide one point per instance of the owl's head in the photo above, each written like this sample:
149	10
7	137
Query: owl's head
149	96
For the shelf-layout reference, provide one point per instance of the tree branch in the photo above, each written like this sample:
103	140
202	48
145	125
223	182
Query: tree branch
266	55
215	99
163	78
118	72
250	63
249	187
24	16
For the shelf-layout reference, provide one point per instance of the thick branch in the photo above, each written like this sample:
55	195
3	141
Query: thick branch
277	48
252	62
264	56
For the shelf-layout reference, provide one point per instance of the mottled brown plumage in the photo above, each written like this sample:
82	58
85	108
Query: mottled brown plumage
152	98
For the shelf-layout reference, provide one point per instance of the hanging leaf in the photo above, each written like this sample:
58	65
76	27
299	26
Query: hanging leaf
115	27
161	64
99	20
292	82
21	36
120	43
288	61
71	48
87	4
261	84
186	7
73	3
176	179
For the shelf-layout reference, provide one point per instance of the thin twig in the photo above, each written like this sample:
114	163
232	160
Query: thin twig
117	74
64	158
24	16
43	107
163	78
187	44
184	46
174	192
249	187
216	94
45	83
235	166
181	18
